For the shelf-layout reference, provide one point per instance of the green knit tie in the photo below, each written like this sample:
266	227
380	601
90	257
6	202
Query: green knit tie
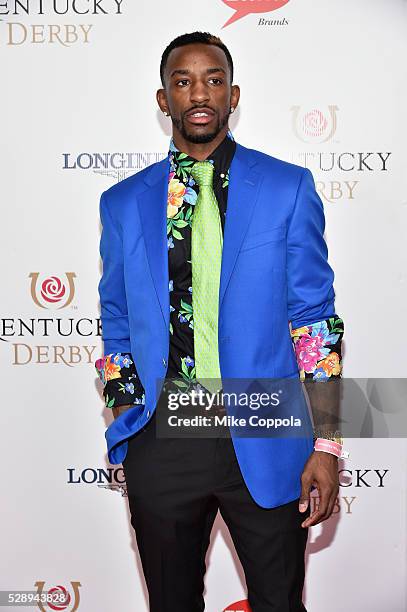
206	257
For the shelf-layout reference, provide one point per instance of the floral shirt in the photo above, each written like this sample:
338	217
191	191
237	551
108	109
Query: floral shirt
317	346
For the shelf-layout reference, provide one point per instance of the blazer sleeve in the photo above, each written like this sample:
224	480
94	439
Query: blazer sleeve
316	329
116	369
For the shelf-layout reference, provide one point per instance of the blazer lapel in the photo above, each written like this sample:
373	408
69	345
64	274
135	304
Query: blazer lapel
244	183
152	205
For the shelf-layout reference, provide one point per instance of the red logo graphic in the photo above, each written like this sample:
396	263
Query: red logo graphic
245	7
314	125
52	290
239	606
58	597
64	596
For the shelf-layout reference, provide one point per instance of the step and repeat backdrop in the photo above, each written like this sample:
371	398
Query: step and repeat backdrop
323	85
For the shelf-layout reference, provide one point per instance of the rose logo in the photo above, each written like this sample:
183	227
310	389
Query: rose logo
58	597
52	289
61	595
314	123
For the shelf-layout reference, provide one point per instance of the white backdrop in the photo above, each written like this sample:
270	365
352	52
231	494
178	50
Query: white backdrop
323	85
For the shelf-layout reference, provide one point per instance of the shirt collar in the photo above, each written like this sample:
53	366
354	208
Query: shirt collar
221	157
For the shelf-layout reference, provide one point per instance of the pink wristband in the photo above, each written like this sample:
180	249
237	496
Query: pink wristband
328	446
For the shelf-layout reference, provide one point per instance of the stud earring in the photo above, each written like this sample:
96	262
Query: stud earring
232	109
166	113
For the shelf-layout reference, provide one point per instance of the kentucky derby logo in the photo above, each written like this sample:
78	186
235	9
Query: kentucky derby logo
52	291
314	124
245	7
58	598
239	606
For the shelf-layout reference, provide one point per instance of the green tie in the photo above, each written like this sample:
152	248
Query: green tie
206	257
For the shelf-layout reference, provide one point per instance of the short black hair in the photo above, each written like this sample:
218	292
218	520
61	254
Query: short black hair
192	38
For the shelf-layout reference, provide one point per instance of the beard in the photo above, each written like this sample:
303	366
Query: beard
201	138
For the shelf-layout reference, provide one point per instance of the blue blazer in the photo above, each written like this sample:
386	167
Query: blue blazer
274	271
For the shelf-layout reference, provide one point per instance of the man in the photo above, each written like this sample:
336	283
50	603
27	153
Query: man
208	257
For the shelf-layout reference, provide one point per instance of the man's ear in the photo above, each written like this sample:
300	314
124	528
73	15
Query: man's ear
162	101
234	95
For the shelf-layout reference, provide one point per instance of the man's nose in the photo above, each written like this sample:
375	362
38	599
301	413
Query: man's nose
199	92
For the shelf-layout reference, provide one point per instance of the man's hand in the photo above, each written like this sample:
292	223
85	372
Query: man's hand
320	470
117	411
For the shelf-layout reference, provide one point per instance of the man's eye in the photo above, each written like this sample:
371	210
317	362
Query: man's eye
216	81
182	82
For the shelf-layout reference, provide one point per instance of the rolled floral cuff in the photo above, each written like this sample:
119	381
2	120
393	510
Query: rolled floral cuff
318	349
120	379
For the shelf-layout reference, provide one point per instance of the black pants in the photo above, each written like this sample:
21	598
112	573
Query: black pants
175	488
